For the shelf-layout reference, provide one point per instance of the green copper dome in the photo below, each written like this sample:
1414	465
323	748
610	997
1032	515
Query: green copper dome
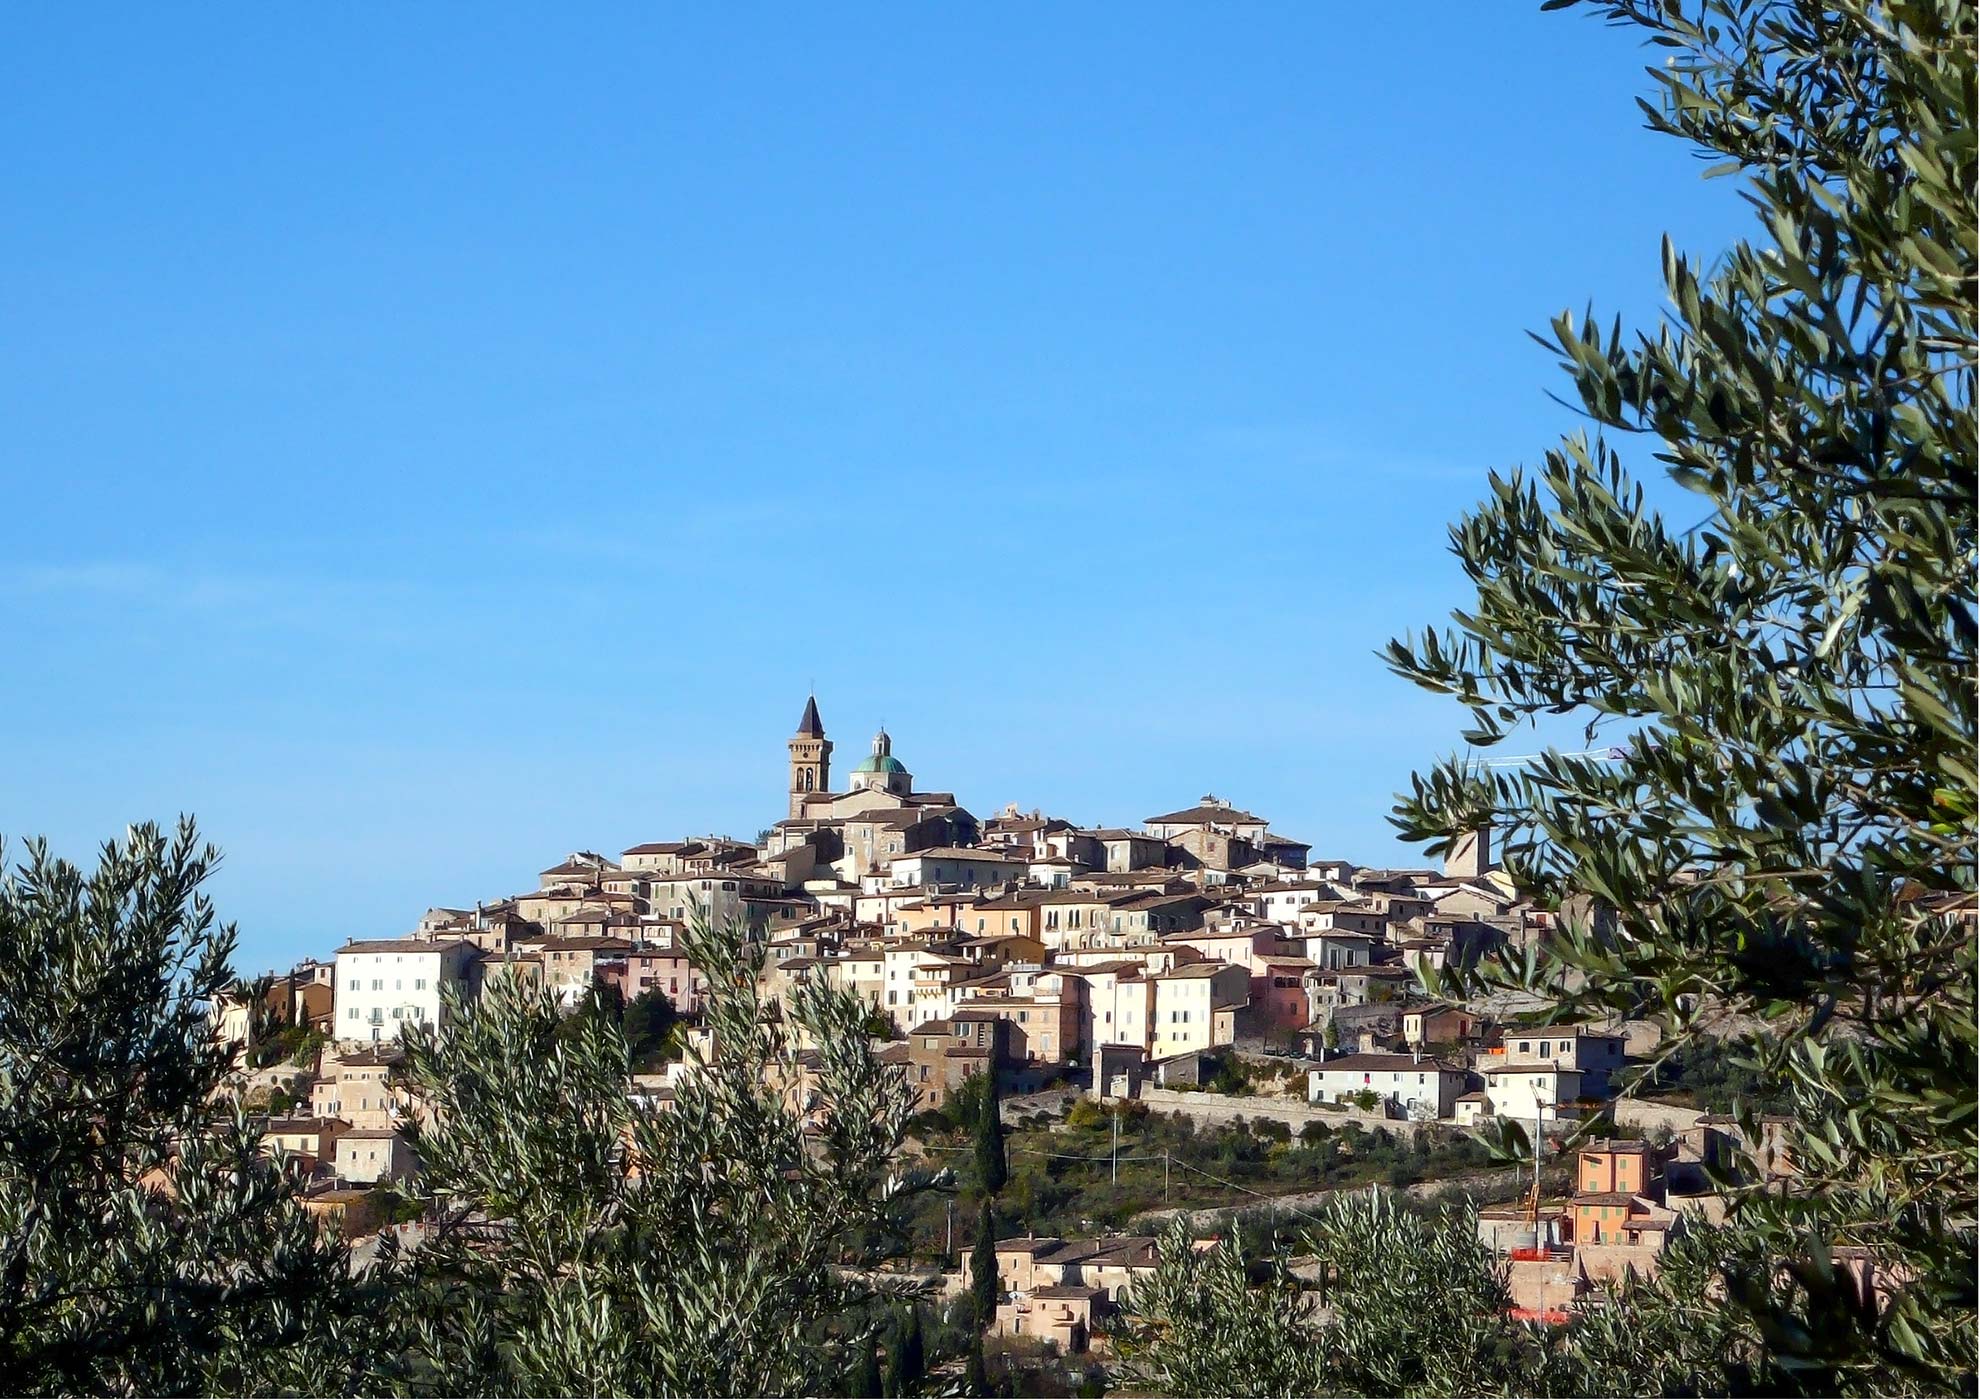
882	759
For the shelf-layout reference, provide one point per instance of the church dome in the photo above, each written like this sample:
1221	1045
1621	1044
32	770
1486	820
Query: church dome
882	759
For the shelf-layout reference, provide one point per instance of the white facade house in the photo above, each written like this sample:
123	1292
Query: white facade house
1119	1001
1530	1091
1279	903
1051	872
367	1155
385	984
1334	949
1596	1054
1357	916
1417	1085
1193	1007
962	867
721	894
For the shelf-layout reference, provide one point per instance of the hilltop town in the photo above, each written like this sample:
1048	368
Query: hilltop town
1199	964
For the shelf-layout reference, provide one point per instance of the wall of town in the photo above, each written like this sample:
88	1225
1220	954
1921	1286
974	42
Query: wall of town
1610	1262
1221	1108
1638	1116
1205	1218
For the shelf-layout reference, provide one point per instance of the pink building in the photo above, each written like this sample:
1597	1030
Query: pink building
1279	1000
661	966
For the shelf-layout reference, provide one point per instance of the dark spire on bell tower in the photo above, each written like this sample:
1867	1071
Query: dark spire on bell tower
811	758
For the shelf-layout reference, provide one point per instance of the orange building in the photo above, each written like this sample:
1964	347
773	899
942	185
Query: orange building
1617	1187
1613	1164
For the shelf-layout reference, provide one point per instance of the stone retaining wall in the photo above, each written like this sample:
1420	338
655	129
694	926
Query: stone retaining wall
1640	1116
1222	1108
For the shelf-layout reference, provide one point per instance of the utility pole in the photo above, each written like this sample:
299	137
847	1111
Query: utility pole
949	1241
1117	1146
1165	1178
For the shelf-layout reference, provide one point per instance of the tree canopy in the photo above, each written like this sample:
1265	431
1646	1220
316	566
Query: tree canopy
1772	853
711	1248
148	1245
1784	826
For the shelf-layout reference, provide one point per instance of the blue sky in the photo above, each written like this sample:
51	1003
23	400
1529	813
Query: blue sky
437	439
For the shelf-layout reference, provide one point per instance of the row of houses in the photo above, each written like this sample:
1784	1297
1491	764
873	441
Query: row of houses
1534	1074
1024	942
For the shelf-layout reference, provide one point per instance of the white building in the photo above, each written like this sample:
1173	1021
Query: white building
958	866
1343	916
1596	1054
721	894
1118	1002
367	1155
1195	1007
1530	1091
1279	901
1334	949
384	984
1416	1085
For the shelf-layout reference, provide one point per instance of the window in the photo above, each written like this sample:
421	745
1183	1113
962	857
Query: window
378	984
419	984
354	984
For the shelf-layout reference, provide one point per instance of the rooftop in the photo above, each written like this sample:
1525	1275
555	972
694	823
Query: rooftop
1377	1062
1208	811
404	945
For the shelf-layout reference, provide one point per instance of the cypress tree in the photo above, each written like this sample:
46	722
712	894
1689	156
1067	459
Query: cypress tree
914	1354
983	1269
907	1358
896	1357
991	1171
975	1381
863	1382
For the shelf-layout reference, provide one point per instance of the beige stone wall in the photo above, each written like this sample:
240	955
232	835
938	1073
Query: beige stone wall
1608	1263
1541	1285
1638	1116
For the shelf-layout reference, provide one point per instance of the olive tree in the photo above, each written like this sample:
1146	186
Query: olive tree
591	1244
1398	1303
149	1242
1784	827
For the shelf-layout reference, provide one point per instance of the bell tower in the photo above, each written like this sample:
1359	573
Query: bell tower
811	758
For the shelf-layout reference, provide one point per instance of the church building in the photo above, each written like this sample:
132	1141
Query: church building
880	815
